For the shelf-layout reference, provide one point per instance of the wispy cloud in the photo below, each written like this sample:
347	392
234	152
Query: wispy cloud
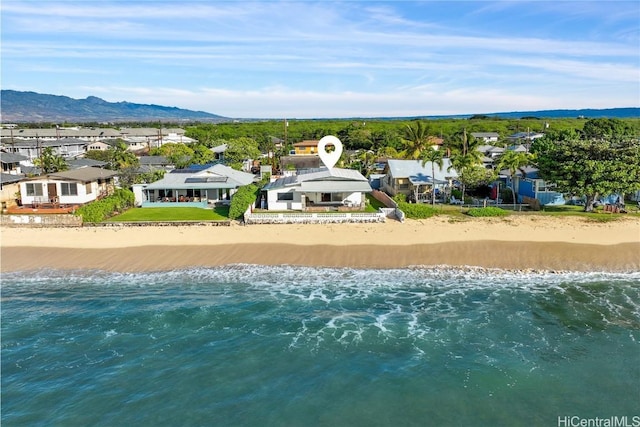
327	58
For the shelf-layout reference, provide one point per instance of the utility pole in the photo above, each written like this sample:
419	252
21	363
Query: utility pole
286	124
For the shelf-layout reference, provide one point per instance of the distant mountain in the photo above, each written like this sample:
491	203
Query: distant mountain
32	107
21	107
588	113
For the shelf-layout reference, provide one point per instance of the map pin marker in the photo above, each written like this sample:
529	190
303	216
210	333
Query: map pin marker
329	158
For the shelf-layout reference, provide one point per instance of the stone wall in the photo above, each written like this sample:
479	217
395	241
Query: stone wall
31	220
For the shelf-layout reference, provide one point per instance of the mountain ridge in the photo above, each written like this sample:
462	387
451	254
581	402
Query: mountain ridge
33	107
18	106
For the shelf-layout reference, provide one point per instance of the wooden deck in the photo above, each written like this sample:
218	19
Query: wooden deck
44	209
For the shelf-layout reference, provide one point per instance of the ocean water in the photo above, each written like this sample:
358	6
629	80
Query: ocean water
291	346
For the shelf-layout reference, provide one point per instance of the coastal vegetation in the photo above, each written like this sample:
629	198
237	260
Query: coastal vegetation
590	165
487	212
102	209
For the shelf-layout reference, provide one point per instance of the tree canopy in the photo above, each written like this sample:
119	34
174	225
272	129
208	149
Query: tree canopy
589	167
50	162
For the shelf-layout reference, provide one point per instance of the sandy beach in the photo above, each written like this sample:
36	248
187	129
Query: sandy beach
517	242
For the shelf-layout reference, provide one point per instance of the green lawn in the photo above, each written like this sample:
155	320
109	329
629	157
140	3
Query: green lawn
173	214
374	204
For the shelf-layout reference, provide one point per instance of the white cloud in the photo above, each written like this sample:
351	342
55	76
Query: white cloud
329	59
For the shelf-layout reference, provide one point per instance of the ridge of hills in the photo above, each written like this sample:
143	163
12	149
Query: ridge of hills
21	107
33	107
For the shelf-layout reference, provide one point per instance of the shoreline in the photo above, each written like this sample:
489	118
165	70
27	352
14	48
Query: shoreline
520	243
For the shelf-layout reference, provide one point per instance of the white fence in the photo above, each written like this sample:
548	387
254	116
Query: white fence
313	218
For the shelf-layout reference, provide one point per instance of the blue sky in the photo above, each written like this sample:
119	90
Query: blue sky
304	59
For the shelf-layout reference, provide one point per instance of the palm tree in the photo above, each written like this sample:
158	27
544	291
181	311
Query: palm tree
121	158
464	144
366	158
416	139
514	161
436	157
464	154
49	161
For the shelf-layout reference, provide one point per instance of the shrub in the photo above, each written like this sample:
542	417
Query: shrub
417	210
245	196
488	211
399	198
102	209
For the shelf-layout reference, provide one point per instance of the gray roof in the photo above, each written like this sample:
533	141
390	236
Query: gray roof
154	160
526	135
44	142
517	148
82	162
485	134
418	174
324	180
12	157
218	149
7	178
86	174
93	133
218	176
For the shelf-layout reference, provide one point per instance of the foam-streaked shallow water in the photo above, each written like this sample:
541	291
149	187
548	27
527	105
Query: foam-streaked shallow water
273	346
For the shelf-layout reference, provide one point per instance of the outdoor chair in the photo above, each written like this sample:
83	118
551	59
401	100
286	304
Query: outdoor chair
455	201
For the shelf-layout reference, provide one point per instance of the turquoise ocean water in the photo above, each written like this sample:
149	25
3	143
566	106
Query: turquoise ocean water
293	346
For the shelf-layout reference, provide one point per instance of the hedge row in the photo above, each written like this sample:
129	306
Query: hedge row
488	211
417	210
102	209
245	196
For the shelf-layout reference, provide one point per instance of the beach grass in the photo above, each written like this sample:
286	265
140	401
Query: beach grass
173	214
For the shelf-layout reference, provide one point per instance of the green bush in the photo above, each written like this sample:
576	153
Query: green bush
488	211
417	210
457	194
102	209
399	198
245	196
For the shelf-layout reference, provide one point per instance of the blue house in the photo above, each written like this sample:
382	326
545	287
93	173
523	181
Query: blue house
533	186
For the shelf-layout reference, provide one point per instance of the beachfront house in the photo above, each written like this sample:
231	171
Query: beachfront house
192	187
411	178
71	187
317	189
9	188
531	188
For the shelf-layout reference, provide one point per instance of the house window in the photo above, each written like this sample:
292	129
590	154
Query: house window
68	189
285	196
193	193
34	189
87	188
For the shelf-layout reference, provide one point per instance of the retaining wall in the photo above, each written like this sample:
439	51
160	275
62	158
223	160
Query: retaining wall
57	220
313	218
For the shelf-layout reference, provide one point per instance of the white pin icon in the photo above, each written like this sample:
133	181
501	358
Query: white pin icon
329	158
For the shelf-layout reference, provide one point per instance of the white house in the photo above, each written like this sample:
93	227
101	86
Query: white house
71	187
192	187
320	188
487	137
